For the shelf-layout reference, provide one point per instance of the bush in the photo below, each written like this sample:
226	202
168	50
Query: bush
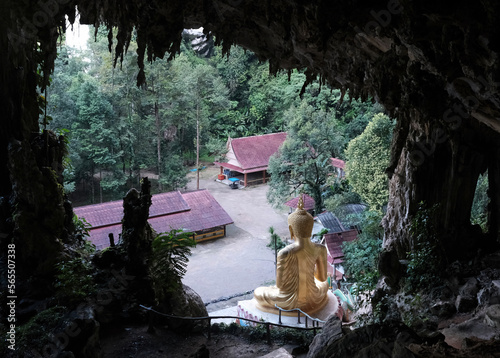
361	255
424	260
37	332
74	281
169	262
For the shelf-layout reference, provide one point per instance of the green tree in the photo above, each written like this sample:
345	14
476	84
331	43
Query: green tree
94	141
303	161
361	255
367	158
479	210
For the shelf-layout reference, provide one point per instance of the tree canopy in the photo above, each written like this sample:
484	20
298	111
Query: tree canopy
367	157
317	130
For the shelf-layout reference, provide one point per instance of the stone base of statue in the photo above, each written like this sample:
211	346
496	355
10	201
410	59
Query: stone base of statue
249	309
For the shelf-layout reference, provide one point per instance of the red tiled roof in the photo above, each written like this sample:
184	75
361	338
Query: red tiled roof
167	203
337	163
205	213
100	236
193	211
105	214
334	244
308	202
254	152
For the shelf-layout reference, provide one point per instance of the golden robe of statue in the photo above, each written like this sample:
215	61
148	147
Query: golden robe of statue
301	278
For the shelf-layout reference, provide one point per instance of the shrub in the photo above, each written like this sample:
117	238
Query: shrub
169	261
424	260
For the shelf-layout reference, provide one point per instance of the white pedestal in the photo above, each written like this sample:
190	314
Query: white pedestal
248	309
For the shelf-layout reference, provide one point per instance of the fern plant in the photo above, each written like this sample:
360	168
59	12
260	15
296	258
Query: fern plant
169	262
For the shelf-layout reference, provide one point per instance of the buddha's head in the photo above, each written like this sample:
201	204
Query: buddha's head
300	222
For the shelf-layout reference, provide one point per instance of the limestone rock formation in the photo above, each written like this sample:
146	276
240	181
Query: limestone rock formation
184	303
388	340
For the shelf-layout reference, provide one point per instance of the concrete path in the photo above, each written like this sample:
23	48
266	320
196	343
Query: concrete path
240	262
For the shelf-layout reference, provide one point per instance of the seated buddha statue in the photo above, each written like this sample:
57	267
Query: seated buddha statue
301	275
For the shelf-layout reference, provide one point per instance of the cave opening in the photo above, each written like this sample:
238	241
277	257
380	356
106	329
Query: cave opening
479	209
431	65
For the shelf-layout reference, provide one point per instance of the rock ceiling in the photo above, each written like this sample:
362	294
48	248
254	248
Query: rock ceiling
406	54
425	55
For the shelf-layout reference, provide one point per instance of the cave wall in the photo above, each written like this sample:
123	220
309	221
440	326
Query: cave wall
433	65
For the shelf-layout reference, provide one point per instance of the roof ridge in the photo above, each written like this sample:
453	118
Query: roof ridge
257	135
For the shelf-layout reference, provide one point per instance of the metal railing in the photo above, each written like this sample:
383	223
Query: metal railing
265	323
299	311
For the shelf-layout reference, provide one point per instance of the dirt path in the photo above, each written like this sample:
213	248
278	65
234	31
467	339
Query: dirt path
240	262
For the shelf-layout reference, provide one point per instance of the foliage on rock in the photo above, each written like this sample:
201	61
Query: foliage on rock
171	251
361	255
425	259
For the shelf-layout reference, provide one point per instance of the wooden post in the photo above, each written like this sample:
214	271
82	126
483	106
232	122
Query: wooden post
264	176
298	317
221	170
268	328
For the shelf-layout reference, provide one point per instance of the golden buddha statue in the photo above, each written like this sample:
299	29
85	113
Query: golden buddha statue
301	275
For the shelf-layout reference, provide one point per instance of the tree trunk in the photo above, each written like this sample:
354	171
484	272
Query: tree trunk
100	186
158	142
92	184
197	146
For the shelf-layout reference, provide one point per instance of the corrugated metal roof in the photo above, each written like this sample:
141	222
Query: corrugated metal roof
193	211
308	202
254	152
330	221
350	215
334	242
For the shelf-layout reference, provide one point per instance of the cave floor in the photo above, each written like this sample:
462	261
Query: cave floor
135	341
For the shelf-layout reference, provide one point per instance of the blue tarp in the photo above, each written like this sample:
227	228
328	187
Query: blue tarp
233	179
193	170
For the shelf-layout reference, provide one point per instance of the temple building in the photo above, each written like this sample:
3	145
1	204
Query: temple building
195	211
250	155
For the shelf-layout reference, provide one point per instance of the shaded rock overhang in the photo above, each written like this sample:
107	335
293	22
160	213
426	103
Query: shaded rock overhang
422	55
396	51
432	64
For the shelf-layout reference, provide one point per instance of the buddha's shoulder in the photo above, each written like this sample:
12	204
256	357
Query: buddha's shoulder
287	251
319	246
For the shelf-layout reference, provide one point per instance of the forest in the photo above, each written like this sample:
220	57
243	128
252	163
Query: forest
117	131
